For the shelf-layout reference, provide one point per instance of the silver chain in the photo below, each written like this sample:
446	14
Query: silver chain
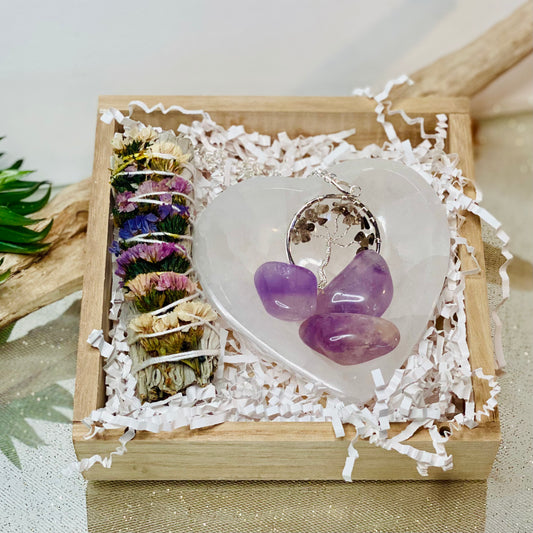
342	186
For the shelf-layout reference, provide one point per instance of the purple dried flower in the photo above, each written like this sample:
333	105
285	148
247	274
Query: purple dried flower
144	283
173	281
181	209
152	253
166	198
139	224
179	184
165	211
175	209
115	248
150	186
175	184
123	202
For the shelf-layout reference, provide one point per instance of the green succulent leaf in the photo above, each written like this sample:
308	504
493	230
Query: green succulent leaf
15	194
21	235
7	175
5	332
6	181
40	406
16	202
30	248
10	218
4	275
16	165
26	208
19	184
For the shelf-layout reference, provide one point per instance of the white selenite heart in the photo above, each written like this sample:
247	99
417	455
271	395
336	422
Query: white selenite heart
246	225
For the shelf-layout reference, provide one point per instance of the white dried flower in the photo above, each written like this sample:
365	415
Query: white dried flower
190	311
144	134
118	142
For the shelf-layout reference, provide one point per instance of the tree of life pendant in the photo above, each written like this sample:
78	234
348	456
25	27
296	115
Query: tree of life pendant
338	219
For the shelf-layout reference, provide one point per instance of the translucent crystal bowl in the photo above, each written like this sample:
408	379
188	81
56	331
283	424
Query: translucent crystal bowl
246	226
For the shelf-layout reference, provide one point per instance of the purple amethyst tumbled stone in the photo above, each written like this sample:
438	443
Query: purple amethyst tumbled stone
288	292
349	338
363	287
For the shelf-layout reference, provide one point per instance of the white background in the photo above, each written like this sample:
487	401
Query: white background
58	56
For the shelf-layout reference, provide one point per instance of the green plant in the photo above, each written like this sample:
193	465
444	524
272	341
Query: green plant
4	275
15	236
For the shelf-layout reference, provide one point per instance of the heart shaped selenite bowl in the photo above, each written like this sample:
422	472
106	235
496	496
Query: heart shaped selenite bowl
246	226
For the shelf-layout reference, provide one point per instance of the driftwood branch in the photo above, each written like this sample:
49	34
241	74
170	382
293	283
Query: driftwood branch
467	71
38	281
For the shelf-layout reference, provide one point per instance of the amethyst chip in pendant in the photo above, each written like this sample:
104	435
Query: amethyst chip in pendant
363	287
349	338
287	291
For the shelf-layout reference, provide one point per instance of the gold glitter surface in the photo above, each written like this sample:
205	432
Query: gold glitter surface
286	506
504	166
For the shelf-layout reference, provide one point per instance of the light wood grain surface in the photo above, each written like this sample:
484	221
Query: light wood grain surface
476	299
467	71
286	104
90	391
277	450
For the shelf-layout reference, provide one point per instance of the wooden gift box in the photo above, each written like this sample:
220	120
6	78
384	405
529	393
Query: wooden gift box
275	450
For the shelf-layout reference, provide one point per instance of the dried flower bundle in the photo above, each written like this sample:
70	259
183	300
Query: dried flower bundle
152	214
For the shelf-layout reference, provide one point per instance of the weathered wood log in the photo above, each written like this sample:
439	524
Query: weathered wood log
470	69
40	280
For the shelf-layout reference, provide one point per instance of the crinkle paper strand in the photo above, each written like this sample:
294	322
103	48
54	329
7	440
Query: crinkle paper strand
435	384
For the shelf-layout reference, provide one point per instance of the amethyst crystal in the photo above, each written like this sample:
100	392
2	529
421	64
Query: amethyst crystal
363	287
348	338
288	292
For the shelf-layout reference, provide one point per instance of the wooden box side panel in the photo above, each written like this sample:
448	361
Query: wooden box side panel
476	296
276	450
90	389
295	115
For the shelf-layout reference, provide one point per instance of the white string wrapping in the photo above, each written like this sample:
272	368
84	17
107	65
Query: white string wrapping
246	385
